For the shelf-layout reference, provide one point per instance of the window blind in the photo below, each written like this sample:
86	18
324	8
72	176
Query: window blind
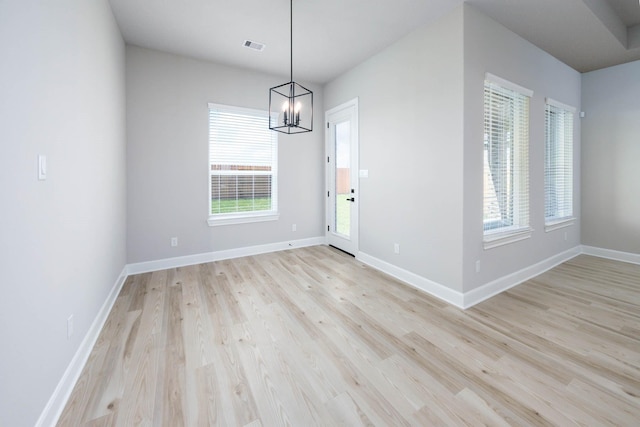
242	162
506	157
558	162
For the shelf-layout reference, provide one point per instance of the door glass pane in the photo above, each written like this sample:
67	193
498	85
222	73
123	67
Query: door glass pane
343	179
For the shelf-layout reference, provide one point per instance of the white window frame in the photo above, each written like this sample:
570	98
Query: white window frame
560	166
518	227
244	216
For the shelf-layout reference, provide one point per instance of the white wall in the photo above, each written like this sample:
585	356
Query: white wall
490	47
421	127
167	158
410	102
611	158
62	241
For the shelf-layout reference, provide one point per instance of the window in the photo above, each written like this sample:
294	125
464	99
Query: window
243	158
558	165
506	162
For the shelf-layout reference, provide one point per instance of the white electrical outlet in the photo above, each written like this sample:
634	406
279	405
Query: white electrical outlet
294	227
174	242
396	248
69	326
566	235
478	266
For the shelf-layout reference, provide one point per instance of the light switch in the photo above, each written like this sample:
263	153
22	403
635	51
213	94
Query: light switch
364	173
42	167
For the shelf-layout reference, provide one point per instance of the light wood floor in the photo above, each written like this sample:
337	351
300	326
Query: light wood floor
312	337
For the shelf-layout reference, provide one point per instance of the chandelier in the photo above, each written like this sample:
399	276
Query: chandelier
290	104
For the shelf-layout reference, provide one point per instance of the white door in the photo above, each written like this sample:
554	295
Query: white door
342	176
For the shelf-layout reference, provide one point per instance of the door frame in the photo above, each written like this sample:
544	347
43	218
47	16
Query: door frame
349	108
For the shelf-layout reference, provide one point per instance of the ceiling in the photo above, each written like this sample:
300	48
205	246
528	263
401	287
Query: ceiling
332	36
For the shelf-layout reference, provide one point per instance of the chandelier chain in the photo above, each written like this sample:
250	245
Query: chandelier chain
291	37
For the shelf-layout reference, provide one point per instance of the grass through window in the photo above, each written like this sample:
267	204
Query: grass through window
222	206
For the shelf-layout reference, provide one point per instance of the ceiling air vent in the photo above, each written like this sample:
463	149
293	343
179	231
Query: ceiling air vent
254	45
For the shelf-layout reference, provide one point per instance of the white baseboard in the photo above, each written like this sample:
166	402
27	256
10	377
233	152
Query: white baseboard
468	299
497	286
163	264
60	396
611	254
421	283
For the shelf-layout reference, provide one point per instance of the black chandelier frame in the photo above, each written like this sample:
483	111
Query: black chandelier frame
293	97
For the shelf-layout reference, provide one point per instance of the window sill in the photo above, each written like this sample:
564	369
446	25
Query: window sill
559	223
215	220
507	237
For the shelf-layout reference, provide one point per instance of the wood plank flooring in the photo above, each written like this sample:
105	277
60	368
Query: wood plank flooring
311	336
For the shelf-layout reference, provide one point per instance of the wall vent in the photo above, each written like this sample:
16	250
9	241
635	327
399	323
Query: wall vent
254	45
